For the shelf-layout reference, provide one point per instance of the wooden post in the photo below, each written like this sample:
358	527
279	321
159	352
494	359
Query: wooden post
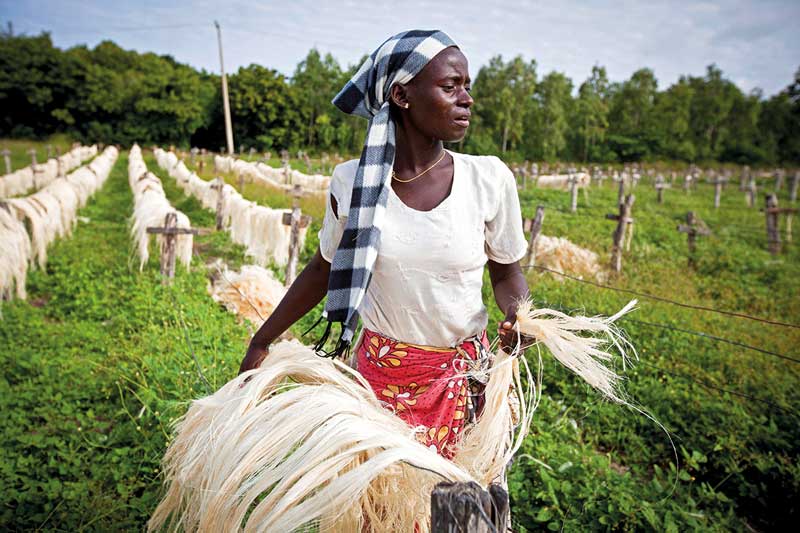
743	178
750	191
168	246
773	235
252	152
287	173
718	182
467	508
170	231
623	219
778	179
692	231
219	185
241	183
795	184
660	186
621	190
297	221
49	151
535	229
573	190
7	157
32	153
193	153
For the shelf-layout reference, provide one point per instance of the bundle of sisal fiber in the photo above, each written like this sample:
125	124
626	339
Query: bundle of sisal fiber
150	210
260	229
561	181
37	176
253	293
303	441
52	211
15	250
560	254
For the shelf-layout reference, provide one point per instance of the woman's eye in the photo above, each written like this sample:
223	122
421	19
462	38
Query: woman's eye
448	87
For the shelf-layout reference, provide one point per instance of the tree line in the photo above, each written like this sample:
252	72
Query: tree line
117	96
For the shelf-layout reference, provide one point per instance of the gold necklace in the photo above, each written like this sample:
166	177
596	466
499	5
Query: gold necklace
394	177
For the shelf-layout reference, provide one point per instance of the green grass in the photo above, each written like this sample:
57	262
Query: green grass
20	157
96	366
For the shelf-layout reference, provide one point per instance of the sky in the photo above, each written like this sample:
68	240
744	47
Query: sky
755	43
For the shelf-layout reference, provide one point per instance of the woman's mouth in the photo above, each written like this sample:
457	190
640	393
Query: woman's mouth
463	122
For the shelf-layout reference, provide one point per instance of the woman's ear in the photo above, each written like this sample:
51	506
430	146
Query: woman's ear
399	96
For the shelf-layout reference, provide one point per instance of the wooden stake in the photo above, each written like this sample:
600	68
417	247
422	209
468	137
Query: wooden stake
660	186
773	235
287	173
170	231
32	153
535	229
467	508
7	156
778	179
219	185
692	231
49	151
719	182
297	221
573	191
623	219
621	190
750	192
772	212
795	184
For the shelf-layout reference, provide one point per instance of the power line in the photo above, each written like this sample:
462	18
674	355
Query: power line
666	300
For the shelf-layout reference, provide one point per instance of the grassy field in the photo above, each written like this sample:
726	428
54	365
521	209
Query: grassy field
19	148
102	358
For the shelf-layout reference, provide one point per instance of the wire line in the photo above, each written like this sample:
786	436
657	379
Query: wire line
666	300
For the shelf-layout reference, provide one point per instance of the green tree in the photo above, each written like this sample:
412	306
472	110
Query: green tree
549	124
503	99
632	106
316	82
591	113
265	109
671	119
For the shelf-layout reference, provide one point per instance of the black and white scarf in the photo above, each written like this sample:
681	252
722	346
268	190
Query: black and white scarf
397	60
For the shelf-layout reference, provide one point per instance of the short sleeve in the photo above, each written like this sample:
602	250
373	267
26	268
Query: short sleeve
333	226
505	240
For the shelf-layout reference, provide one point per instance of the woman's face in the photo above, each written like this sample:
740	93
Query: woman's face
438	97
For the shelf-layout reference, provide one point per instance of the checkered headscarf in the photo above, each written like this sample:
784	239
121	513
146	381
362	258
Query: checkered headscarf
397	60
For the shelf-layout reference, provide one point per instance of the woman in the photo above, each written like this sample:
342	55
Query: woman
407	232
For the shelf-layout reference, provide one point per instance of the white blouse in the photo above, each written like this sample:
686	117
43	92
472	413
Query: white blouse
427	279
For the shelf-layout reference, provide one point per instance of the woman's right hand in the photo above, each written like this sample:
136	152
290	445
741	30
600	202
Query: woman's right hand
306	292
255	356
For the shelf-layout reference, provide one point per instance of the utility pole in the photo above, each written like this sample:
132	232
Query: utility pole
225	103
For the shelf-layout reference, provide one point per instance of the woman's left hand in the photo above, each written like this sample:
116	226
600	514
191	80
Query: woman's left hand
510	340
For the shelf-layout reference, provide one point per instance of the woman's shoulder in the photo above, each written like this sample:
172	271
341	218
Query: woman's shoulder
487	170
345	172
341	187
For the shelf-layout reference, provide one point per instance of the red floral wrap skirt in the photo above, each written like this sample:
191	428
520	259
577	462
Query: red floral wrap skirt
424	385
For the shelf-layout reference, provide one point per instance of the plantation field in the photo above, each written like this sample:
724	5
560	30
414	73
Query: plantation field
101	358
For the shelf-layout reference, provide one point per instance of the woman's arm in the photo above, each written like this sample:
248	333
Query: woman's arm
510	286
304	294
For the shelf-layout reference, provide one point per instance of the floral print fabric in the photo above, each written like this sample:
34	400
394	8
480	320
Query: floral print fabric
424	385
